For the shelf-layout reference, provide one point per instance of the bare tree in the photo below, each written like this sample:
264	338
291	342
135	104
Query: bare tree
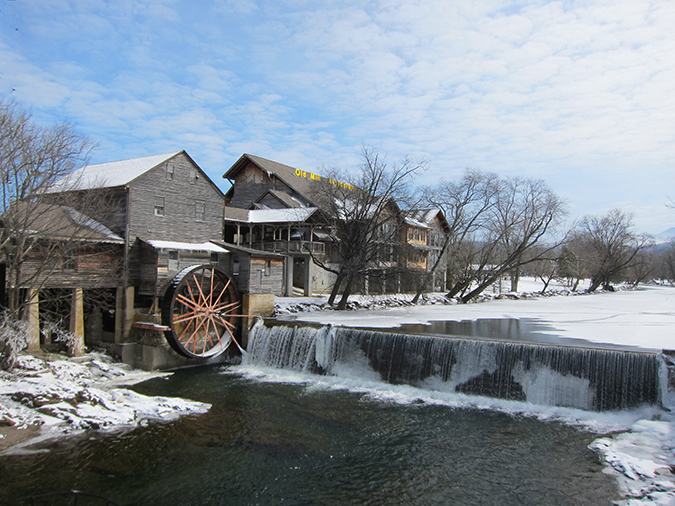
495	225
609	246
365	231
544	267
467	204
526	213
667	263
642	268
36	228
569	266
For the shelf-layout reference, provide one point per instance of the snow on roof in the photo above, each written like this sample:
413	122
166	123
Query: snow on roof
292	215
423	216
81	219
204	246
110	174
415	223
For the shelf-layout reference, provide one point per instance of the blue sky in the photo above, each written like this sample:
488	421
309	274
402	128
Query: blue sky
580	94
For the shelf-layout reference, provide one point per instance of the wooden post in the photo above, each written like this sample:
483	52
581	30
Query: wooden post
76	347
33	320
288	273
119	314
128	312
308	279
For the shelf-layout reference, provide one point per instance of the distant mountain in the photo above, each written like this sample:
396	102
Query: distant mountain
666	235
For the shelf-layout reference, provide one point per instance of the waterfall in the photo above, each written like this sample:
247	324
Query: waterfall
584	378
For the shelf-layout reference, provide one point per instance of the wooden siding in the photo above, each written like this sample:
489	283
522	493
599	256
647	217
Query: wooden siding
251	183
272	202
113	210
257	275
241	274
95	266
181	194
146	270
266	276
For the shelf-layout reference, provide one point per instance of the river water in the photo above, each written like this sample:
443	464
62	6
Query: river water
303	443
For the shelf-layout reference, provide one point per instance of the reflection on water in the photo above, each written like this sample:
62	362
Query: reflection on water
273	444
525	330
510	329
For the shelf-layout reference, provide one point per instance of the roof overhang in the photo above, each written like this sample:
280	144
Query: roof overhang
185	246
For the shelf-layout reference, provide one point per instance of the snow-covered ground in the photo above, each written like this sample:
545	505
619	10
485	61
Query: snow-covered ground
47	397
644	317
642	457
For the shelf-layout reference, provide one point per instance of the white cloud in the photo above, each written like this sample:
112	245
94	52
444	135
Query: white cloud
575	93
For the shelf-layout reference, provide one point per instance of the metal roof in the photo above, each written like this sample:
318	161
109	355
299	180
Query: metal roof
187	246
288	215
110	174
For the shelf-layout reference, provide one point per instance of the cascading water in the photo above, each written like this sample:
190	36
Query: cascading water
583	378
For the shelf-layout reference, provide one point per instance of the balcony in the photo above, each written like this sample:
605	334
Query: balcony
316	248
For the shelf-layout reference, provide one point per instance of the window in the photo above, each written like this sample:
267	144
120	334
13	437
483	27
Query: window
200	211
193	176
235	267
268	267
173	260
214	257
70	259
159	206
169	172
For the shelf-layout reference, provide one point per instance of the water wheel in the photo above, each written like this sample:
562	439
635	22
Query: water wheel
202	310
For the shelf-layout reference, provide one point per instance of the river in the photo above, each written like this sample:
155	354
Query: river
271	442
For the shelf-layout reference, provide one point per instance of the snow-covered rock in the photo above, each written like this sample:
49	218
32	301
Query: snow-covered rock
63	396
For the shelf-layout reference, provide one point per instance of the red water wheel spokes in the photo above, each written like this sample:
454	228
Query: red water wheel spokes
202	309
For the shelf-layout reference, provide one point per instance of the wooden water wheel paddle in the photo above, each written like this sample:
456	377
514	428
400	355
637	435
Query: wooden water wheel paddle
202	310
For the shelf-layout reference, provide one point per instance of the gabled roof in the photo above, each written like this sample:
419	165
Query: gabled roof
110	174
282	197
287	174
351	209
424	217
414	223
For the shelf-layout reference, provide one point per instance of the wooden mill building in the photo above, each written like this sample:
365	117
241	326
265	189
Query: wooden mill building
159	214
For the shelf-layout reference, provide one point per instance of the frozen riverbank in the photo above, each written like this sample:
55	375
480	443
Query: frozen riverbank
50	396
642	317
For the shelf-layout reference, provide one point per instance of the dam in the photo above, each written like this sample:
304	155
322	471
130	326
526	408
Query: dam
590	379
